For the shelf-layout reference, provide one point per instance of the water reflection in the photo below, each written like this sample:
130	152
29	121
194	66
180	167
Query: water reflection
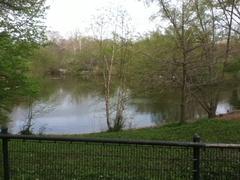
73	106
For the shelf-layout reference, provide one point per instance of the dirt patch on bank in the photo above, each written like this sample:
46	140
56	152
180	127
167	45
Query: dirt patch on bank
235	115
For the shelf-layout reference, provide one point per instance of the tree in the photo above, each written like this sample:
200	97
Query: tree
214	34
207	74
20	29
200	33
23	20
113	57
179	16
14	81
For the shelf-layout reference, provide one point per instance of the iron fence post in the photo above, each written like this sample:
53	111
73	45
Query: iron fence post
6	171
196	158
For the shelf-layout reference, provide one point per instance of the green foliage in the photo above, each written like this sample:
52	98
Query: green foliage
21	28
14	81
233	67
85	58
45	59
148	64
77	56
23	20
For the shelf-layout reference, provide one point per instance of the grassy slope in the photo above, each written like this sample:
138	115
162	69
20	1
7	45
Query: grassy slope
215	131
95	161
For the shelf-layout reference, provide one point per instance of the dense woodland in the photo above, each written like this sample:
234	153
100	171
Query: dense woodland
197	52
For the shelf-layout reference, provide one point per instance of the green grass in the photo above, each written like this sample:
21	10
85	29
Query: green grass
212	131
49	160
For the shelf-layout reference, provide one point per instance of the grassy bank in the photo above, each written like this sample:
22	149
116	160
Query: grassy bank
65	160
214	131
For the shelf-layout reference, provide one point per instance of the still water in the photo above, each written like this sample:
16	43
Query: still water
71	106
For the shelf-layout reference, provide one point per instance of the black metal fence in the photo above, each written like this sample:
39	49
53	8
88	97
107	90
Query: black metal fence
57	158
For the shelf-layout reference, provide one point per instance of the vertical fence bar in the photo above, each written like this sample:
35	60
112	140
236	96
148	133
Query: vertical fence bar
196	158
6	171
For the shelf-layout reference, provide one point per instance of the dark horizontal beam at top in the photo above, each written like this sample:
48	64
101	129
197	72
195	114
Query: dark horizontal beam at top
117	141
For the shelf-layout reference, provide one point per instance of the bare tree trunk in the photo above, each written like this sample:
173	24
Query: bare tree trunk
119	121
212	111
107	110
229	20
107	74
183	96
184	68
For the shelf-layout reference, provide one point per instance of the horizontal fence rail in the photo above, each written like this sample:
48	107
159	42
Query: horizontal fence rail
44	157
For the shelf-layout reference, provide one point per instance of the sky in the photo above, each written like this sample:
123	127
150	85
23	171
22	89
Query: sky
69	16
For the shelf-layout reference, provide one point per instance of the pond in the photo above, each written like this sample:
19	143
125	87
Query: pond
74	106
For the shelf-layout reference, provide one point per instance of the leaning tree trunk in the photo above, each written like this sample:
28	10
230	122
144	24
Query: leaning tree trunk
183	91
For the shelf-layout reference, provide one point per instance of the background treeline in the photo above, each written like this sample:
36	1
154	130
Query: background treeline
78	55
